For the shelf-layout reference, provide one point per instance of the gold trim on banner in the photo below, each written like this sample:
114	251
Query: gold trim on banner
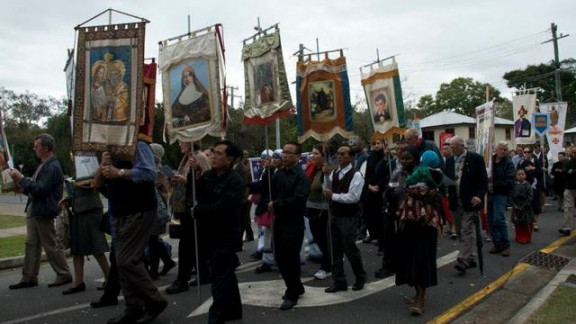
380	75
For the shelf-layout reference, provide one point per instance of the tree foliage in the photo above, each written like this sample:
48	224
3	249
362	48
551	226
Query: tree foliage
462	96
543	76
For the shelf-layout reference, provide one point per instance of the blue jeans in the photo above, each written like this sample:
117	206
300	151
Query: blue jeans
497	220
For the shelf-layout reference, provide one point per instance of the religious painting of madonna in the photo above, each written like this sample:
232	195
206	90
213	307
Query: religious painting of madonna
190	93
109	89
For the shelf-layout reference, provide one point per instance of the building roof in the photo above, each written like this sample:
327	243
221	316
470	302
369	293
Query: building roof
445	118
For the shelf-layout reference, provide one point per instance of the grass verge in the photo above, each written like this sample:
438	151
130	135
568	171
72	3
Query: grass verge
7	221
12	246
558	308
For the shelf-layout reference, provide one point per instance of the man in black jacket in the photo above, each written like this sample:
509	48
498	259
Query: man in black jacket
472	181
290	189
501	184
44	190
569	172
219	215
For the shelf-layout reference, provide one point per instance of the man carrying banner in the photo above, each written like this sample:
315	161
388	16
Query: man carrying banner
129	187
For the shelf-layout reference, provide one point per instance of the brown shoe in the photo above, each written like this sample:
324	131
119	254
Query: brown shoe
496	249
505	252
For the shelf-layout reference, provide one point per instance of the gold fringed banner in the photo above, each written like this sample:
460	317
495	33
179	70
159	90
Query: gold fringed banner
109	88
193	84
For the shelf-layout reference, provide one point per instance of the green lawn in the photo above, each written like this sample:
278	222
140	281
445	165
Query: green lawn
7	221
12	246
559	308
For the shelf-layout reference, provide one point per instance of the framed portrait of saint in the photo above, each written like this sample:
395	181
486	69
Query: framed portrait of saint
190	93
380	103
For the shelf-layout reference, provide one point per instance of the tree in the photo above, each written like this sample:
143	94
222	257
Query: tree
543	76
461	95
28	109
59	127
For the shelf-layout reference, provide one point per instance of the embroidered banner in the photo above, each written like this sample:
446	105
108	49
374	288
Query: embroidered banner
384	97
266	87
6	161
485	133
323	100
555	135
193	83
146	121
109	86
523	107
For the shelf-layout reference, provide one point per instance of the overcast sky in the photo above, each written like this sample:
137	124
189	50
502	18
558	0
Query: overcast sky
437	41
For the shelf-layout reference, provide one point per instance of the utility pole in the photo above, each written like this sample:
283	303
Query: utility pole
554	40
231	90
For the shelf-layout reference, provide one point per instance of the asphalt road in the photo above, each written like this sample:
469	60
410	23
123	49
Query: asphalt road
380	302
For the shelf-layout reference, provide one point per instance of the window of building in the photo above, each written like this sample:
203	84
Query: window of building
471	132
449	130
508	133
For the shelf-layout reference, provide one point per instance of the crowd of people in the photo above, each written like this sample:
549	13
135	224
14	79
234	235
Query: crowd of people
403	199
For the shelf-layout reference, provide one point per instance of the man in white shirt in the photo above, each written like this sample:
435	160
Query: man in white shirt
343	188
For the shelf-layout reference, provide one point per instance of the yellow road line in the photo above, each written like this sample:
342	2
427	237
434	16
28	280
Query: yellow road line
457	309
556	244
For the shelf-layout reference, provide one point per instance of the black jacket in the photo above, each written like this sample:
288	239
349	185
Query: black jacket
474	181
290	190
502	176
46	191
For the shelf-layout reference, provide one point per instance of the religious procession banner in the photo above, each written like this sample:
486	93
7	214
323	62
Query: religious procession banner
384	97
555	135
146	120
193	84
323	99
523	106
485	133
6	161
267	90
109	88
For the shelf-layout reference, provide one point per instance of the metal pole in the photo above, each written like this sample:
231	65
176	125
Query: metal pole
556	63
278	133
327	158
317	49
198	278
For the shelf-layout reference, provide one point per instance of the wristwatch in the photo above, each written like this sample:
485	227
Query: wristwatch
121	173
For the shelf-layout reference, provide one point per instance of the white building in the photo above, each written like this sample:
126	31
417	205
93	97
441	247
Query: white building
463	126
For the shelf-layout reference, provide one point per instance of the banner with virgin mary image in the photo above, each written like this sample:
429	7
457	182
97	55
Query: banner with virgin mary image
523	106
109	88
193	83
267	90
555	134
384	97
323	100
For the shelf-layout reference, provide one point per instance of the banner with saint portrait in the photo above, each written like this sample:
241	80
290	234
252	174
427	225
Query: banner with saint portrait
485	133
555	134
523	106
6	162
384	97
193	85
323	100
109	88
267	92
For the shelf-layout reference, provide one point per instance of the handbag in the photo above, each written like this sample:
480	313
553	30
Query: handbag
264	219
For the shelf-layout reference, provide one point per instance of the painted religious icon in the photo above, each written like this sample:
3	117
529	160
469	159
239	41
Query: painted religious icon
321	101
380	106
264	89
522	126
109	84
189	84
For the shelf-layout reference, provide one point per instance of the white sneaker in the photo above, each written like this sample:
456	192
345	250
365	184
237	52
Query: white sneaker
321	274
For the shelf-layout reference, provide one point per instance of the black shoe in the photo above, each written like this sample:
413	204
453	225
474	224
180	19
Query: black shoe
300	293
125	319
152	312
263	268
461	266
167	268
334	289
72	290
288	304
103	302
358	285
60	282
383	273
23	284
194	282
565	231
177	287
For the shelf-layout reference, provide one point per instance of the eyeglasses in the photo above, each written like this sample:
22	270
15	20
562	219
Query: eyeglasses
527	151
286	152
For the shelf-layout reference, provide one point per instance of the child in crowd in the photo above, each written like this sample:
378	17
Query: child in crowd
522	216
